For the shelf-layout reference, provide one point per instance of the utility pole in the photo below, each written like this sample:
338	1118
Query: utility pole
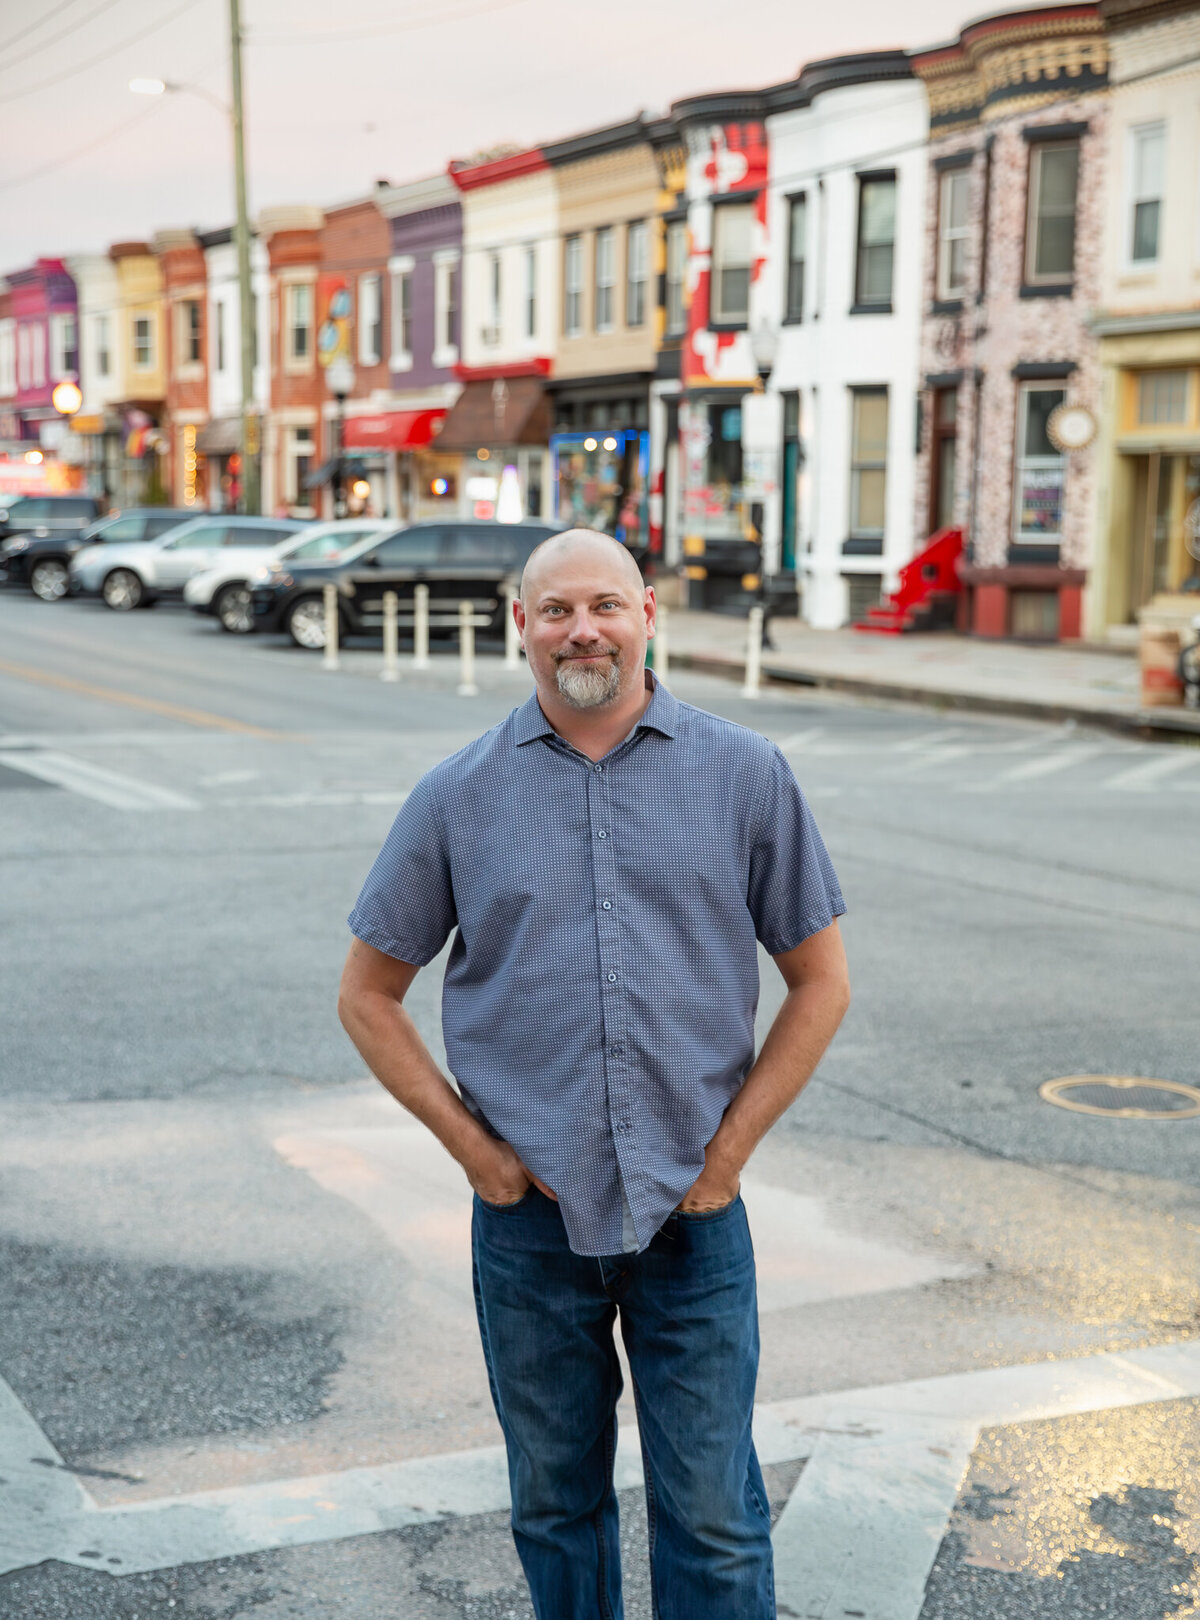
251	443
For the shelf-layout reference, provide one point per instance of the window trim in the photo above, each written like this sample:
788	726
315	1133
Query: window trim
604	236
400	274
718	320
531	291
945	291
573	293
675	229
1156	126
149	363
1024	389
637	230
793	315
294	362
370	291
854	530
1034	284
861	305
445	307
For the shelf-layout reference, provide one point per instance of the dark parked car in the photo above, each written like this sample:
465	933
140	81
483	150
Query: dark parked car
43	561
45	514
460	560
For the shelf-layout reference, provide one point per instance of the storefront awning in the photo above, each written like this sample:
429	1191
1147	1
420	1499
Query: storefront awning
221	437
323	475
392	430
514	410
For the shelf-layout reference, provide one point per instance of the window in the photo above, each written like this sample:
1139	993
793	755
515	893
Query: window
676	270
495	291
100	344
943	460
1050	236
1149	152
370	321
219	322
863	592
416	548
1040	468
606	275
402	316
23	357
1162	397
143	343
121	530
530	292
732	226
190	350
797	242
637	270
876	241
445	310
868	460
8	359
573	286
38	337
63	354
952	233
300	317
300	459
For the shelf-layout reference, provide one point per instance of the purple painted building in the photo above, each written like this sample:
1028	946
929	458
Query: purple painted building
42	304
425	281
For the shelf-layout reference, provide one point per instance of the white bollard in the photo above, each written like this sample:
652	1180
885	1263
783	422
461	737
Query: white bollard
421	627
754	653
391	638
661	645
331	659
466	648
512	639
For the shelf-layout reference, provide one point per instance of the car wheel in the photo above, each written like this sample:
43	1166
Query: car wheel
234	609
50	580
306	623
122	590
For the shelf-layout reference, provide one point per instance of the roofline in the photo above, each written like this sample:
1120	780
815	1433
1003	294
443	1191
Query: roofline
838	73
469	177
416	196
593	142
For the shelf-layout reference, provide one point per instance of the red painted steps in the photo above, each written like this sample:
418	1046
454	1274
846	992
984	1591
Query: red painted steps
926	597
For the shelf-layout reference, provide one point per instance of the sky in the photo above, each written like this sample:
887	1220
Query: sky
340	93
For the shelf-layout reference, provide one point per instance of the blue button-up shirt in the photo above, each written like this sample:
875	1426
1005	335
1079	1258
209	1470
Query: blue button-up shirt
598	1006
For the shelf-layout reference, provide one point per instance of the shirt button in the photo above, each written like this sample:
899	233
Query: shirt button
616	1051
599	769
607	904
601	834
612	978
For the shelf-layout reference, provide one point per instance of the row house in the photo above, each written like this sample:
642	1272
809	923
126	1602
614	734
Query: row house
38	349
185	329
291	438
1147	501
219	440
1010	371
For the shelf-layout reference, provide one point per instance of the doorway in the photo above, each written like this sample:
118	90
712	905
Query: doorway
943	461
1165	509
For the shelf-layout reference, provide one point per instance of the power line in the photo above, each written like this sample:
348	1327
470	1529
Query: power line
40	23
71	28
95	140
45	84
376	31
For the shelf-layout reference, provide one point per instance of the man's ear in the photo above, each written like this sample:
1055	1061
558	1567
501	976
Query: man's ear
518	613
651	607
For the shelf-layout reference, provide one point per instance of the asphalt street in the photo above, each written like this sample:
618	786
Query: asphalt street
229	1262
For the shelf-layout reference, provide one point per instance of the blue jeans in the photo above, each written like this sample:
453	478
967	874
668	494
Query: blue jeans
690	1326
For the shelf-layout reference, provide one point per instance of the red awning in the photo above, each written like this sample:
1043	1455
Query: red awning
394	430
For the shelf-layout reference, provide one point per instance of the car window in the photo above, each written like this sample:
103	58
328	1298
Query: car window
331	544
478	545
69	506
123	528
415	548
159	525
207	534
255	534
25	508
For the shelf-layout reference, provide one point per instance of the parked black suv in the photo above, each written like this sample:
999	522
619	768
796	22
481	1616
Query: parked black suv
42	561
46	514
460	559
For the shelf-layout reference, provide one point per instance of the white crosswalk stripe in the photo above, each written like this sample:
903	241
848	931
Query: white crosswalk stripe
95	781
1048	764
1145	777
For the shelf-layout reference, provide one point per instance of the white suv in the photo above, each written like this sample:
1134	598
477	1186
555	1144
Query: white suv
224	591
134	576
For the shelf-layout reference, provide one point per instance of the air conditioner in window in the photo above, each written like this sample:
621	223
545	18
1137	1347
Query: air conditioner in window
490	335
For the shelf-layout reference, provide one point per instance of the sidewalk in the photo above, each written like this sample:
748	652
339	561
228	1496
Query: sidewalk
1091	685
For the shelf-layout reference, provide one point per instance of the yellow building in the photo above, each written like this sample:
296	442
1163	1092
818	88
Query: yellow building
141	340
1148	506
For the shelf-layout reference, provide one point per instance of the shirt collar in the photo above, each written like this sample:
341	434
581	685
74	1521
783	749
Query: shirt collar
662	715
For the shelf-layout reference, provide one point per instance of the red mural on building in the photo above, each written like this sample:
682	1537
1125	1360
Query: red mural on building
737	162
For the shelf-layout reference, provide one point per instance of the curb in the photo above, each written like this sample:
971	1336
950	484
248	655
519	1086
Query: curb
1165	725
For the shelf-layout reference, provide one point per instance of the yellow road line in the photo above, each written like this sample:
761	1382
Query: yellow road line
107	694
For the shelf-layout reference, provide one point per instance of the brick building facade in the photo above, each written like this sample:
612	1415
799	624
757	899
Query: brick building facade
292	237
1014	236
185	321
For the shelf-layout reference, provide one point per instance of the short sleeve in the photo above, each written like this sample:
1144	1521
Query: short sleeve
406	908
793	889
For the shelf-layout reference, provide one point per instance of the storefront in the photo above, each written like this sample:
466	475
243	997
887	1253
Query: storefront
500	428
601	481
397	455
722	516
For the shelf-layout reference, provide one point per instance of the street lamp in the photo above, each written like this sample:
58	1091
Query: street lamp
339	375
251	498
764	346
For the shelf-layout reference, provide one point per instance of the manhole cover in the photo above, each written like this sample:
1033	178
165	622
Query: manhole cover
1122	1095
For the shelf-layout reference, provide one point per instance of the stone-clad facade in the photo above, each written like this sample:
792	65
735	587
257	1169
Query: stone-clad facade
1012	275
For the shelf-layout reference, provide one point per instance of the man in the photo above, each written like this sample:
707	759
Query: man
606	858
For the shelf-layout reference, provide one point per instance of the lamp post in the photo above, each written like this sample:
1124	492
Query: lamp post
251	494
339	375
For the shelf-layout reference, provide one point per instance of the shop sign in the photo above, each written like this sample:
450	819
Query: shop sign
87	424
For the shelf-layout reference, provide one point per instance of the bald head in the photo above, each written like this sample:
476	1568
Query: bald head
574	551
